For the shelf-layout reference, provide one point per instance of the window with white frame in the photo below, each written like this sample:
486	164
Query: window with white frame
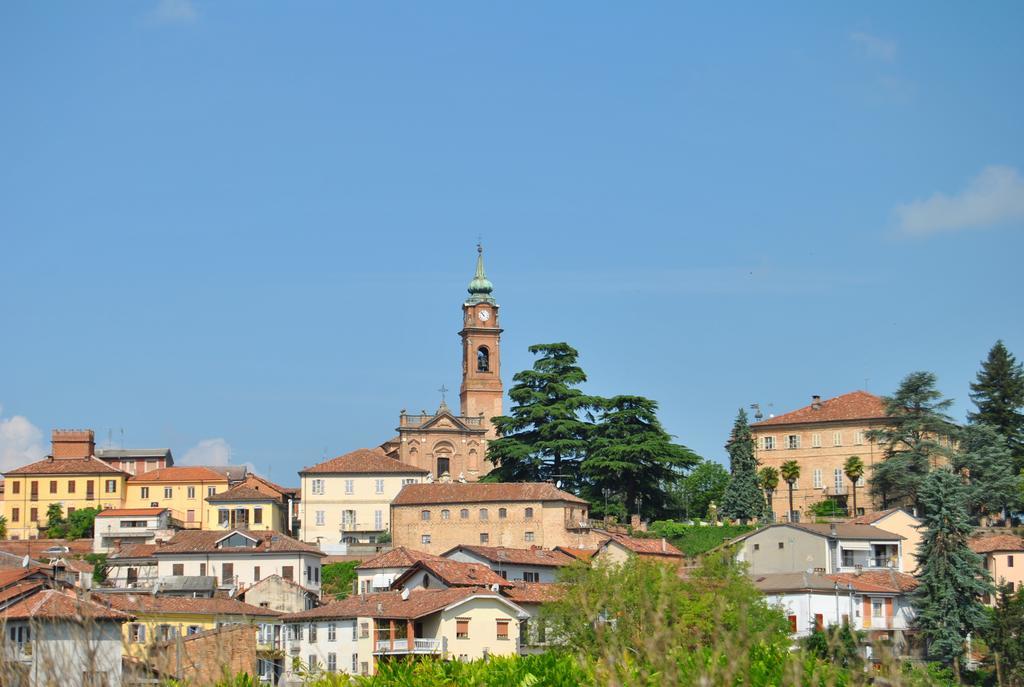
815	440
379	486
332	632
817	479
528	536
318	486
768	443
837	438
332	663
378	519
858	437
877	607
424	539
320	517
793	441
350	486
837	476
408	480
355	663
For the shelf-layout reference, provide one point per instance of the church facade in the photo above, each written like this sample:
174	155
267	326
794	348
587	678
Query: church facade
453	445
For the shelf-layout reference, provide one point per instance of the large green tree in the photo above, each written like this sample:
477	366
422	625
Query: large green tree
951	578
743	499
547	431
703	485
632	457
56	525
984	461
1005	637
998	393
917	435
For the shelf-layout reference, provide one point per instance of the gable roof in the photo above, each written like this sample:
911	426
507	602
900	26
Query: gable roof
503	555
843	530
856	405
205	541
459	424
583	555
133	551
398	557
887	580
363	461
872	518
480	492
150	604
390	605
276	579
66	466
187	473
535	592
454	573
644	547
244	492
15	575
996	542
54	605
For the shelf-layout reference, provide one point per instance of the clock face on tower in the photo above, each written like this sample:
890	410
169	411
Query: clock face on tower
484	315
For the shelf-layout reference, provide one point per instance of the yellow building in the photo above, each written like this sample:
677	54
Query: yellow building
181	489
71	477
255	504
158	618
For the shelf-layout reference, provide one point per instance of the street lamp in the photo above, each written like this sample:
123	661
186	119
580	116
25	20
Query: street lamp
637	500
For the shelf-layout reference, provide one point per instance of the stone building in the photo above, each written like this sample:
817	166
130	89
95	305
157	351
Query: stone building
820	437
443	441
437	517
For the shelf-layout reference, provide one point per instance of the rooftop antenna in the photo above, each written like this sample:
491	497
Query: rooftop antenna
110	437
758	413
122	437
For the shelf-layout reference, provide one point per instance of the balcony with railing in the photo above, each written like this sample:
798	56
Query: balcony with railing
419	645
420	419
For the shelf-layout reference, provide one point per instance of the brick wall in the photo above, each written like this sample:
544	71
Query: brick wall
73	443
205	656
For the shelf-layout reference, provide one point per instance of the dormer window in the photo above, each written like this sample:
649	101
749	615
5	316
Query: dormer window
237	540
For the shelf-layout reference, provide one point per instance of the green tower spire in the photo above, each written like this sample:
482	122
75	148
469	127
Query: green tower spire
480	288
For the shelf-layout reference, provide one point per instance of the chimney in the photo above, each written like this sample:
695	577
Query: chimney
832	530
663	548
73	443
816	402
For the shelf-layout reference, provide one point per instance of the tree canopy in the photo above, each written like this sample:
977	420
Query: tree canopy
985	463
998	394
743	499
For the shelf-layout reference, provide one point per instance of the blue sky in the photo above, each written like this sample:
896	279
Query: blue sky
246	228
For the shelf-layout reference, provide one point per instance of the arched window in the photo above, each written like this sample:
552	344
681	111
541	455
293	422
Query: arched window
483	359
443	466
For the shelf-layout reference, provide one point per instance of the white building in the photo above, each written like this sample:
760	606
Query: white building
54	638
822	548
117	526
525	565
240	558
353	635
377	573
132	567
876	603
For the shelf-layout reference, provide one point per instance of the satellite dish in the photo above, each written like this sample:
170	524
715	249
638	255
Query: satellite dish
558	484
494	587
25	561
405	594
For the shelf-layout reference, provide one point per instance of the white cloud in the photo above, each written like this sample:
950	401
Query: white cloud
174	12
21	442
996	195
874	47
208	452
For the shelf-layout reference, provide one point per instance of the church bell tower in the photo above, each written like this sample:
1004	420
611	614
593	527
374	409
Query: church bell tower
481	392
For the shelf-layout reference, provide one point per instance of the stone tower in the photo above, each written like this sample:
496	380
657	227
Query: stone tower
481	391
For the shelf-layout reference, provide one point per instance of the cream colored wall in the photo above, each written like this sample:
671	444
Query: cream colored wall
273	516
998	565
180	503
483	615
613	553
245	564
548	526
364	500
903	524
826	458
25	527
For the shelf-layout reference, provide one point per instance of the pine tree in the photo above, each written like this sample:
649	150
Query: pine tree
985	462
743	499
633	457
917	434
998	394
951	578
546	434
1005	637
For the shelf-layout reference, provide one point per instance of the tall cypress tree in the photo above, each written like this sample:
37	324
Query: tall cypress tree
998	394
743	499
916	436
951	578
546	434
633	457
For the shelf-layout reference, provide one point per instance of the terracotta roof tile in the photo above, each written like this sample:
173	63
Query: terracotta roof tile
877	581
125	512
66	466
150	605
579	554
390	605
14	575
19	589
454	573
52	604
36	547
856	405
190	473
398	557
871	518
535	592
243	492
844	530
481	492
204	541
996	542
134	551
645	547
503	555
363	461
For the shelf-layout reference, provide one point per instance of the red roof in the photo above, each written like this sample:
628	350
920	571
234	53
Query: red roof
205	541
579	554
14	575
888	581
996	542
134	551
481	492
55	605
856	405
192	473
532	556
398	557
66	466
535	592
125	512
147	603
363	461
454	573
645	547
421	602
